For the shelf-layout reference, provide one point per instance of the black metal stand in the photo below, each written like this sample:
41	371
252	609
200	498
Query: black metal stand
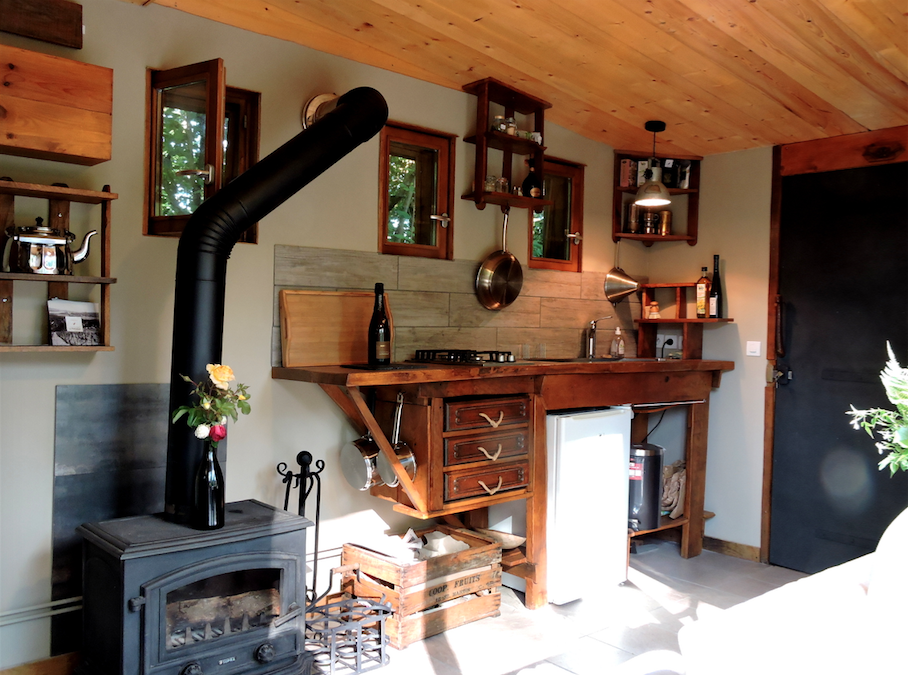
305	480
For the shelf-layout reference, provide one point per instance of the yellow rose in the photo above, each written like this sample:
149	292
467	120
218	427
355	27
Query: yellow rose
220	375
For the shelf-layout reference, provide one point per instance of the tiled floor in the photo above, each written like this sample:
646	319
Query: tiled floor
629	630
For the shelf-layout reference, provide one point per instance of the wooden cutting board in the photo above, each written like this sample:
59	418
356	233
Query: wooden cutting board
323	328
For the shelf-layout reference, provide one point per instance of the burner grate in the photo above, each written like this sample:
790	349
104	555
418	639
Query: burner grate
462	356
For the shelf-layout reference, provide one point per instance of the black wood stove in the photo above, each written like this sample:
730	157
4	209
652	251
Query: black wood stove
163	599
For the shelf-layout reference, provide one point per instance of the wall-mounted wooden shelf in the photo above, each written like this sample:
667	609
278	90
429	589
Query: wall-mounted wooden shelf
59	198
691	328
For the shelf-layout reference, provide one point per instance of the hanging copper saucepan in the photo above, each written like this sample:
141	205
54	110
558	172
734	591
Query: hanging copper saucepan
500	277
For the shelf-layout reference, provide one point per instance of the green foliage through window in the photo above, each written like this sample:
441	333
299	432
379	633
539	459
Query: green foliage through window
182	145
402	200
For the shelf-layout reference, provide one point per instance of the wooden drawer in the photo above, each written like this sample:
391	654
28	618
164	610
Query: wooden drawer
486	447
496	479
486	413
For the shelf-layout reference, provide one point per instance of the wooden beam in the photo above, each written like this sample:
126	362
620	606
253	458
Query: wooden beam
56	21
886	146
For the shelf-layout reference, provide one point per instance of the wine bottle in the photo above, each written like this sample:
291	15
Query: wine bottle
208	496
703	295
531	186
379	331
715	292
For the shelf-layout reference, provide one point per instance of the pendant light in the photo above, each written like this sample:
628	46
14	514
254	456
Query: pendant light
653	192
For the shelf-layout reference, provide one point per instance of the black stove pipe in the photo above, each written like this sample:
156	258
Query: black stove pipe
205	246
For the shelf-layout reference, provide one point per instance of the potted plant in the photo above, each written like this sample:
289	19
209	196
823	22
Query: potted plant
890	426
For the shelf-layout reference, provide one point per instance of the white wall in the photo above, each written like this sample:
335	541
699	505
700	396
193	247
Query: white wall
339	210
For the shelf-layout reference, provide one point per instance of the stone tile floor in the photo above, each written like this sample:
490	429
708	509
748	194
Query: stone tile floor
628	630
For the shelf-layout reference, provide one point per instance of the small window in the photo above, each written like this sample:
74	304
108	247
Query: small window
191	158
416	192
557	231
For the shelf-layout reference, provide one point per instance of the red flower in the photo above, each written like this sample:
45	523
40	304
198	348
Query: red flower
218	433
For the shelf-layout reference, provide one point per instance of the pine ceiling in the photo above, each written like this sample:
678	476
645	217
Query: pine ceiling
725	75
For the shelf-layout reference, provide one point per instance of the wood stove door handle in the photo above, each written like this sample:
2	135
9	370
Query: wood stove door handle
135	604
493	423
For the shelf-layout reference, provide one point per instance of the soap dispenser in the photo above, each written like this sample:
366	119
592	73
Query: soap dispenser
617	348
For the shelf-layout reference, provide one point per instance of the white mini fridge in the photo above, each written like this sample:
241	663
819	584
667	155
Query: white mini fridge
586	529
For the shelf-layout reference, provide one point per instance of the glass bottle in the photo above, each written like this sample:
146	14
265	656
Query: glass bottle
715	292
531	185
208	497
703	294
379	331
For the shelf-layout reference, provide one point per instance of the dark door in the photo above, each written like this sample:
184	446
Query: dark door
843	279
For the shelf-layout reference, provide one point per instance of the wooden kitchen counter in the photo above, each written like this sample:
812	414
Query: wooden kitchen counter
519	395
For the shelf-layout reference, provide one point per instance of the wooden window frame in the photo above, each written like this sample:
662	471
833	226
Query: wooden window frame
575	172
443	143
219	97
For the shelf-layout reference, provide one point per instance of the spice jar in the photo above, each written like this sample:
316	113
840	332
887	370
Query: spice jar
511	126
498	123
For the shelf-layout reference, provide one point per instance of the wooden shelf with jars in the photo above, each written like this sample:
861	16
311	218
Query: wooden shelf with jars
59	198
490	91
685	206
691	327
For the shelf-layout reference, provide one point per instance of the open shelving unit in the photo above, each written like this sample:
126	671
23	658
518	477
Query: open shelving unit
59	198
622	196
691	328
490	91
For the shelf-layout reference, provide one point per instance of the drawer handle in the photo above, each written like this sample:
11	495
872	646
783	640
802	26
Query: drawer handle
492	422
493	490
486	452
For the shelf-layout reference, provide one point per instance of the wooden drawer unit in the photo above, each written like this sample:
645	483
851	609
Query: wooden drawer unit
486	481
486	413
486	447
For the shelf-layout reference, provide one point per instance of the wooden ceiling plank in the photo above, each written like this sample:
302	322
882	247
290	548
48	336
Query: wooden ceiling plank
812	61
522	53
761	78
882	26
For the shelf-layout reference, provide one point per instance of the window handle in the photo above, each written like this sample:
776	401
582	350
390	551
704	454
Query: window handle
443	219
208	172
575	238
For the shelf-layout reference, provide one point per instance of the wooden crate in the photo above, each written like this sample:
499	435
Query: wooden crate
429	596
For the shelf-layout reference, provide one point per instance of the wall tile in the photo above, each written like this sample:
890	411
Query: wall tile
301	266
411	308
565	313
466	311
556	343
443	276
551	284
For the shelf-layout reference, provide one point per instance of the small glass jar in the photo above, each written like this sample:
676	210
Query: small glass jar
511	126
498	123
491	183
503	184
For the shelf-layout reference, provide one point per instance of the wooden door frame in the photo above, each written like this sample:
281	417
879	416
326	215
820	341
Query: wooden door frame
870	148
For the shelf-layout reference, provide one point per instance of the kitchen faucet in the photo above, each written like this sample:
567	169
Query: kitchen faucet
591	337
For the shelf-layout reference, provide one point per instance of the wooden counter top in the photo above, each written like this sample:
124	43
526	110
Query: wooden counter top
356	377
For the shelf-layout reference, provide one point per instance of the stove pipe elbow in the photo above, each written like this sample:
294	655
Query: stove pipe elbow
206	243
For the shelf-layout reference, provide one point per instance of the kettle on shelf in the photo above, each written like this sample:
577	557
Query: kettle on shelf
40	249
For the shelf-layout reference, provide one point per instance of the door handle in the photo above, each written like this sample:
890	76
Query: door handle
444	219
780	345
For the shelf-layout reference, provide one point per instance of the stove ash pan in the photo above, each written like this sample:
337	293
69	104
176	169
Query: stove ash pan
162	599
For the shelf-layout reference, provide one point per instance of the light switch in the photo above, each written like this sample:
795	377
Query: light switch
753	348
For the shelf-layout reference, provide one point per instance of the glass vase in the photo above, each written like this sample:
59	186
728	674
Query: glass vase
208	497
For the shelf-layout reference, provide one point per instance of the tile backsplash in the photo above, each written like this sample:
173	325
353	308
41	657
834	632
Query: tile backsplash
433	303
